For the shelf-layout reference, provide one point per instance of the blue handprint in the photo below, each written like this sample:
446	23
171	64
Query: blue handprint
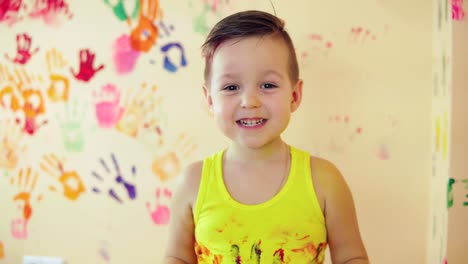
119	179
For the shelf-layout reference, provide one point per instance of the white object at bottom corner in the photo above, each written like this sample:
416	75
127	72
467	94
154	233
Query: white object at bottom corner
42	260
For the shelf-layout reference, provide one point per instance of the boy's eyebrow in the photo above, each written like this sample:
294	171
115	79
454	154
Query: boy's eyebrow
274	73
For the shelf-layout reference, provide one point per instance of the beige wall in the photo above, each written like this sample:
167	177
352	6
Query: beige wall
458	212
379	79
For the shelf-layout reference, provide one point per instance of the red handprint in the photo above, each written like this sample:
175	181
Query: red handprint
9	11
87	70
23	49
145	34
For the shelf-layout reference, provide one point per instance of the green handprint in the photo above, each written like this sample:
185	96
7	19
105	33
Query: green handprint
71	124
119	9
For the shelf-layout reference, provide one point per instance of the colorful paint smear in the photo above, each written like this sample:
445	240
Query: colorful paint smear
458	13
450	198
71	124
12	144
161	213
104	251
86	69
119	179
125	57
25	182
71	183
107	106
204	255
2	250
168	165
53	12
343	132
320	44
24	51
145	34
360	35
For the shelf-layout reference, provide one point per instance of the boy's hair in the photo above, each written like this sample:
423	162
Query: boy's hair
246	24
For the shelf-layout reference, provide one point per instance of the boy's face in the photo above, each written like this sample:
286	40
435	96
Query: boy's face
250	92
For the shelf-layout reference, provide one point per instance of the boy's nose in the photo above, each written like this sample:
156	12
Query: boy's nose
250	99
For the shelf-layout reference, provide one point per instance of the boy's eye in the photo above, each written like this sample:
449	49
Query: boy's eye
230	88
268	86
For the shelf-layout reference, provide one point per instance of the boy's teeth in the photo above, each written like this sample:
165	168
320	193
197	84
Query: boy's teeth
251	122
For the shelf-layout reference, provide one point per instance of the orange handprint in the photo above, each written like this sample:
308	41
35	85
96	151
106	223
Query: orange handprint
11	143
24	196
59	83
145	34
33	104
168	165
71	182
138	105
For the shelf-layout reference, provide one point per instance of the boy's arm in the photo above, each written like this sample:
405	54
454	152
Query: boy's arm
344	237
180	245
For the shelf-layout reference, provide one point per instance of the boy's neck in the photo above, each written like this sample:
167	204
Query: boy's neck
274	151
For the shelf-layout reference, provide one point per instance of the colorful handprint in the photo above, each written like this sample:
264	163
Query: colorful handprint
119	178
161	213
52	12
145	34
23	49
118	7
25	181
10	10
86	70
139	106
107	106
12	145
71	184
59	83
71	124
168	165
125	57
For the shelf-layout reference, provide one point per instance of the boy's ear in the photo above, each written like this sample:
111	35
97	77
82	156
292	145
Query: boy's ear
296	95
207	94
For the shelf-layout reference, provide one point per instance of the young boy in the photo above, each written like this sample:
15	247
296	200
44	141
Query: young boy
259	200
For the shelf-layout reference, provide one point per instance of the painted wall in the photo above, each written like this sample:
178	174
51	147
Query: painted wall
102	105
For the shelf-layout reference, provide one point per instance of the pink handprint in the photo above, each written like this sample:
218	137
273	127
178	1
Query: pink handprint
53	12
23	49
87	70
125	57
161	213
108	109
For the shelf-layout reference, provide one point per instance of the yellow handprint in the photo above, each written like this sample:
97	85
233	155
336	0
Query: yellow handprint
11	143
59	83
71	182
9	94
139	105
168	165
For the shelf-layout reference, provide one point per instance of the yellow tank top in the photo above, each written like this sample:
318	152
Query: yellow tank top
288	228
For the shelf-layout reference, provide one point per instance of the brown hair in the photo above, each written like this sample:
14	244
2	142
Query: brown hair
246	24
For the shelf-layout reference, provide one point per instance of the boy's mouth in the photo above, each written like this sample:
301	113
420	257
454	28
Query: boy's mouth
251	122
